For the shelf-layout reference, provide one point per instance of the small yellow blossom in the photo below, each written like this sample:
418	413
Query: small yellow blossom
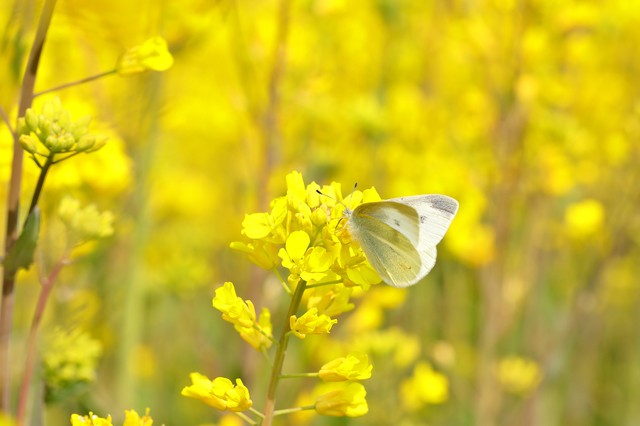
90	420
311	323
219	393
233	308
153	55
242	315
584	218
260	336
426	386
349	401
330	300
263	254
311	265
267	226
84	223
518	375
351	367
295	248
70	359
132	418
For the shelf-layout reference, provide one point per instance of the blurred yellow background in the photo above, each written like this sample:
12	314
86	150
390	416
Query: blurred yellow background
527	112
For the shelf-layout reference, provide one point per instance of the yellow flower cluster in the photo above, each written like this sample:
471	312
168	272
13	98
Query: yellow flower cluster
51	132
219	393
302	233
242	314
84	223
132	418
518	375
426	386
71	359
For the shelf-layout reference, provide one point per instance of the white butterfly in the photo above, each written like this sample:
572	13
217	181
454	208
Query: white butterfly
399	236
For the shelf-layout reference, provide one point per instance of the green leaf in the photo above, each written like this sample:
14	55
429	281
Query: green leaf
21	253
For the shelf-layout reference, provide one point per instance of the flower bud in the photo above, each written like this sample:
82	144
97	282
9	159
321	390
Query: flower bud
28	143
153	54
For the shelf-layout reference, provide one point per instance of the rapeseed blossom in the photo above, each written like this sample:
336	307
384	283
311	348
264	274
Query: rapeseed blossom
220	393
348	401
351	367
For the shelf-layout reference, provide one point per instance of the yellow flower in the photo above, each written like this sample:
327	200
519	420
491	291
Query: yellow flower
132	418
242	315
585	218
351	367
518	375
319	253
219	393
265	255
295	248
84	223
426	386
330	300
153	54
311	323
70	359
310	265
349	401
257	336
233	308
267	226
90	420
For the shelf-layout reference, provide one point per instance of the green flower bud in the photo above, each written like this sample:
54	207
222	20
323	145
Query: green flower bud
31	119
65	143
52	109
29	143
100	141
85	143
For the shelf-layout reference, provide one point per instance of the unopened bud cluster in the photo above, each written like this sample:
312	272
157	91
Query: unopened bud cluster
51	131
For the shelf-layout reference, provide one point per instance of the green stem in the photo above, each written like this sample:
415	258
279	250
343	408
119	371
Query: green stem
38	190
256	412
13	202
298	375
293	410
325	283
246	418
77	82
269	407
5	118
282	281
45	291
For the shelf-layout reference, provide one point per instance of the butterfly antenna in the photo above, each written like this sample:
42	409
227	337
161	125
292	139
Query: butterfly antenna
337	201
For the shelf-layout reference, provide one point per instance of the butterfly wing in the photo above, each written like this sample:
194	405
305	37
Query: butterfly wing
435	213
388	233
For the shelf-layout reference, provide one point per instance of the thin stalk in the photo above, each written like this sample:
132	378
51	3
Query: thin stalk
298	375
38	190
269	406
77	82
7	121
13	202
32	341
293	410
246	418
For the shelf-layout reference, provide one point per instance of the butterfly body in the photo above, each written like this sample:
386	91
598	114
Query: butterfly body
399	236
